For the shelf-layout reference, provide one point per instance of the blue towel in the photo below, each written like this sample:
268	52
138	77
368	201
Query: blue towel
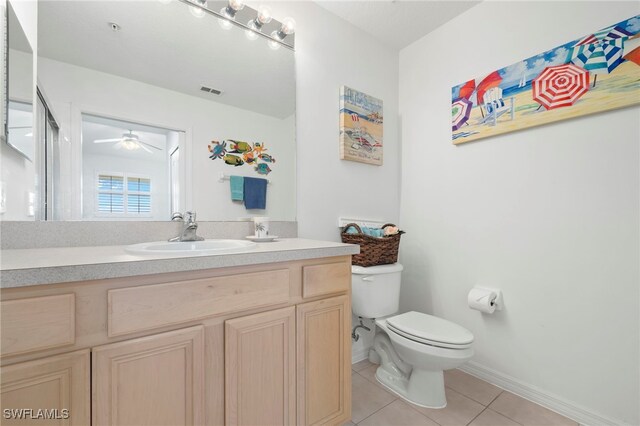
237	188
373	232
255	193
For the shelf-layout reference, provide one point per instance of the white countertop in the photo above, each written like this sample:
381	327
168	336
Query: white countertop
25	267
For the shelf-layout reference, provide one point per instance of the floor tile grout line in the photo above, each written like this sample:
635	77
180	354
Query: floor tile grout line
473	399
493	400
418	411
501	413
471	421
504	415
397	398
376	411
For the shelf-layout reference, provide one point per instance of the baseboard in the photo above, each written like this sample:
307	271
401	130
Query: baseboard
539	396
359	355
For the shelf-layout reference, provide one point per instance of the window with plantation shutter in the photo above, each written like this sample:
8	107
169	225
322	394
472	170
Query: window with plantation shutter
138	195
123	195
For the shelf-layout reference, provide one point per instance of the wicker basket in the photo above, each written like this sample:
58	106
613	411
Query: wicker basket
373	250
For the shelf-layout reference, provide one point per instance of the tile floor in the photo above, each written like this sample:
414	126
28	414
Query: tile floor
470	401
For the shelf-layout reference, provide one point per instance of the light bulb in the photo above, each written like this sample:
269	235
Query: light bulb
251	35
288	26
264	15
224	23
130	145
236	4
272	43
196	11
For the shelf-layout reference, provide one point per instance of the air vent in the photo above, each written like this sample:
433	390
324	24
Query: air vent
210	90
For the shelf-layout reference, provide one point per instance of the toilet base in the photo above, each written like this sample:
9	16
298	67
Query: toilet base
422	388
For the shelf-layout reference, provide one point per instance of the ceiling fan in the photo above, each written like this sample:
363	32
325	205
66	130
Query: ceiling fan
129	141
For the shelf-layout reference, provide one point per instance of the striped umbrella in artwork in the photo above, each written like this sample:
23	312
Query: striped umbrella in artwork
600	53
560	85
460	112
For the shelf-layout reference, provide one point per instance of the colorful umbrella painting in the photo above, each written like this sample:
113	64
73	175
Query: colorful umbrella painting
467	89
600	53
633	56
553	85
631	51
460	111
492	80
560	86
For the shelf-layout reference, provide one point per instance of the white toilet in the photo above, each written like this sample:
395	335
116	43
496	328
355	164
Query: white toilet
413	348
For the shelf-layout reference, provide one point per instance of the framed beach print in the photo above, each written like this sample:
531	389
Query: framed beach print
361	127
598	72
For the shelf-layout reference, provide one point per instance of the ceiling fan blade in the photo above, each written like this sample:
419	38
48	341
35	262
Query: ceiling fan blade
149	145
107	140
145	148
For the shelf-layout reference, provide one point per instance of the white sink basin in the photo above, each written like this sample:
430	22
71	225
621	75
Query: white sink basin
191	248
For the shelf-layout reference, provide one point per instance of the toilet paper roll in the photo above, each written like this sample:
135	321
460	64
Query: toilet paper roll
482	300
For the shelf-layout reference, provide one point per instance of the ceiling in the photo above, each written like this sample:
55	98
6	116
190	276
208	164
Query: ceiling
94	128
165	45
397	23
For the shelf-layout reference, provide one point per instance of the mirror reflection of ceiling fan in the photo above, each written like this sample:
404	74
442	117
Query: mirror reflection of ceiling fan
129	141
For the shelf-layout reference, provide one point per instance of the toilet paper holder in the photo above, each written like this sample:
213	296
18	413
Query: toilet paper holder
498	302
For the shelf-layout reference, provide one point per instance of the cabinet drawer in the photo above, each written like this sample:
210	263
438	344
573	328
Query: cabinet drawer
318	280
142	308
37	323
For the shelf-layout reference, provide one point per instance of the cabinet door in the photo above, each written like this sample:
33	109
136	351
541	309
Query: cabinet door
260	369
154	380
49	391
324	361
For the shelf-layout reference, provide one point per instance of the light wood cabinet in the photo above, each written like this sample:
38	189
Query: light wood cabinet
260	369
49	391
35	323
324	361
155	380
250	345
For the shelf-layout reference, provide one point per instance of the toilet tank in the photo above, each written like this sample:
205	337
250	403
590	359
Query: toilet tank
375	291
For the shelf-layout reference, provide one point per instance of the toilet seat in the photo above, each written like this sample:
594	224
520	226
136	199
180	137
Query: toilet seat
430	330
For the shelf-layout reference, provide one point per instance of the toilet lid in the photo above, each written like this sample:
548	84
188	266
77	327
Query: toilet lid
431	330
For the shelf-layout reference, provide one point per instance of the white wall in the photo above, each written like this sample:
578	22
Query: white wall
331	53
73	90
550	215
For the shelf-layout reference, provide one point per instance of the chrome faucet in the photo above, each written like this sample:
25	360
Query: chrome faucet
189	227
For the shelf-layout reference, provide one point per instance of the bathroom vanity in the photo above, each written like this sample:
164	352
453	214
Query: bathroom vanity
261	337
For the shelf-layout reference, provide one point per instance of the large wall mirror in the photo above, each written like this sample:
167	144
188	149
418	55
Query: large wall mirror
149	107
20	156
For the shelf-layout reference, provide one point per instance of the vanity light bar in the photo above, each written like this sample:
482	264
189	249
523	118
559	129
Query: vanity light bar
273	39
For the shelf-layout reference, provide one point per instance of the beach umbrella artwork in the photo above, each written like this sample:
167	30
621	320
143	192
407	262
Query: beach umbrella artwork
631	51
467	89
633	56
560	86
600	53
492	80
460	112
